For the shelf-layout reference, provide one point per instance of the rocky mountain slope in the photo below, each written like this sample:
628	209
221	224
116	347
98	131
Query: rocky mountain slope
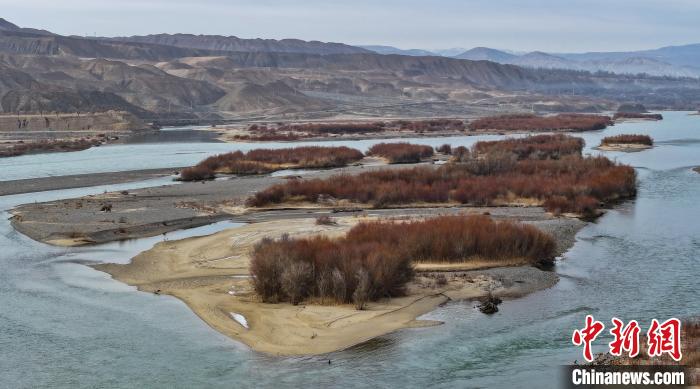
187	76
232	43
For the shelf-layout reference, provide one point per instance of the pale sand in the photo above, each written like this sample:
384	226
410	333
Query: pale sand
626	147
209	275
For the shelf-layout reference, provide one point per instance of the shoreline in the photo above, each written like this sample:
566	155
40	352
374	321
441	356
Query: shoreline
210	275
624	147
43	184
228	136
148	211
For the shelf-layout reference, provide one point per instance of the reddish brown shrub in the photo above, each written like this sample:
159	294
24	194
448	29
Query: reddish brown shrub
445	149
628	139
638	115
529	122
41	146
333	266
430	125
264	132
458	239
538	146
489	181
333	128
269	137
374	259
196	173
401	152
461	154
262	161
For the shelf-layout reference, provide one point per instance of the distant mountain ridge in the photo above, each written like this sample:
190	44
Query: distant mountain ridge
486	54
153	47
233	43
393	50
8	26
675	61
194	76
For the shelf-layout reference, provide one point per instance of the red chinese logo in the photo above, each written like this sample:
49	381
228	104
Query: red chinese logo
587	335
665	338
662	338
626	338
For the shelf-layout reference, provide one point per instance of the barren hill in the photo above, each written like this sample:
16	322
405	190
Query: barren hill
190	76
232	43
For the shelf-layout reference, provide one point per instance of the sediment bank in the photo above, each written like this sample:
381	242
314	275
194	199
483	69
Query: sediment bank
210	274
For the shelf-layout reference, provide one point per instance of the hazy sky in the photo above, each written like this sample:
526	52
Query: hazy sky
548	25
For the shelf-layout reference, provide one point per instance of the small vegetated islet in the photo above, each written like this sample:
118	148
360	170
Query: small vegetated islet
272	136
537	146
401	152
48	146
261	161
374	259
628	139
530	122
638	115
570	184
305	130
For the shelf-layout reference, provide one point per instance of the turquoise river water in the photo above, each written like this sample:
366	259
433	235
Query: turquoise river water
63	324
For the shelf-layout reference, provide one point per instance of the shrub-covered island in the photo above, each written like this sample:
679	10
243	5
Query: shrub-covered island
262	161
626	142
543	170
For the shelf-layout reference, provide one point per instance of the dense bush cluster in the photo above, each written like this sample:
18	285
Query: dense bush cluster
197	173
628	139
284	131
445	149
570	184
401	152
270	136
461	154
529	122
21	148
335	270
430	125
538	146
262	161
374	259
637	115
333	128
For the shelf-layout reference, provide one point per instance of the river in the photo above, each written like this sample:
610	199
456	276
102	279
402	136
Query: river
63	324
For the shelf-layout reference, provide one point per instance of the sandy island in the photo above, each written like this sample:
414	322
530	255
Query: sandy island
210	274
624	147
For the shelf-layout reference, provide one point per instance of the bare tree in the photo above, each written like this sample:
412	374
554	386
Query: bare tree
362	291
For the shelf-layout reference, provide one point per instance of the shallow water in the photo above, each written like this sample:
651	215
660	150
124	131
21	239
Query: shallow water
147	155
63	324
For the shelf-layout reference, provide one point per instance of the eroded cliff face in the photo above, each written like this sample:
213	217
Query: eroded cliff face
232	43
110	121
